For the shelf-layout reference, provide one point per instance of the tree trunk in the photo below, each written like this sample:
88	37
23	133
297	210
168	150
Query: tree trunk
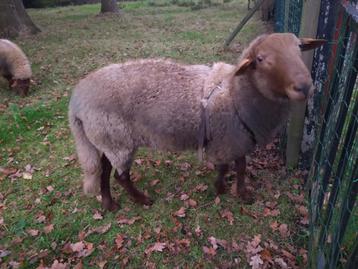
109	6
14	20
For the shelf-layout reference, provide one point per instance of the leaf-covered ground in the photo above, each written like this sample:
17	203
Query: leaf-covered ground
46	221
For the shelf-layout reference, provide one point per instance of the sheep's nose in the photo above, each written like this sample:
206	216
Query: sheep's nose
303	87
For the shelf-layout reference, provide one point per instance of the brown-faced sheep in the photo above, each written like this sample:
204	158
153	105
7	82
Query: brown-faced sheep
224	109
15	67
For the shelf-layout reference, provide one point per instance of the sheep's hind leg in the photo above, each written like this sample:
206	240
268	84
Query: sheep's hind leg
107	201
244	193
127	184
220	183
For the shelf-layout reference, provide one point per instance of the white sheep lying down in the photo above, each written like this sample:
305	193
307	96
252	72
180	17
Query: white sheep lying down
224	109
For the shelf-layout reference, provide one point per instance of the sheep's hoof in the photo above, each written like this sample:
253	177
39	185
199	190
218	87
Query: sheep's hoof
246	196
220	187
143	200
110	205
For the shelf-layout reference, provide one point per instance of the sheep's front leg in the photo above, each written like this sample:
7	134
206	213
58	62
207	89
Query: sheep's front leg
244	193
127	184
107	201
220	180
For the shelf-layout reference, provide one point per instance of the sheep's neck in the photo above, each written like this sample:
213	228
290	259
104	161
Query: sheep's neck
264	117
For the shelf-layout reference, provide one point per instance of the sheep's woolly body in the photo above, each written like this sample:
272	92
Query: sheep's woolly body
157	104
13	61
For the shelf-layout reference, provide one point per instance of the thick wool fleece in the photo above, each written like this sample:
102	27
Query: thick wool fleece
157	104
13	62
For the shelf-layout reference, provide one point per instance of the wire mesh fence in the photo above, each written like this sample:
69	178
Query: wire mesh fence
288	15
333	179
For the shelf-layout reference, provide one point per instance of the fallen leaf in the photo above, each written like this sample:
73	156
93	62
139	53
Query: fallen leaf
138	161
41	218
303	254
227	214
119	240
303	210
154	182
82	234
185	166
281	263
97	215
213	242
192	203
256	261
67	248
253	247
217	200
26	175
14	264
283	230
184	197
58	265
209	251
201	187
297	199
168	162
4	253
266	255
101	264
274	225
82	248
89	249
48	228
223	243
271	205
78	265
184	242
180	213
102	229
124	220
50	188
304	220
236	246
288	255
70	158
77	247
198	231
268	212
247	212
32	232
158	247
3	107
210	166
6	171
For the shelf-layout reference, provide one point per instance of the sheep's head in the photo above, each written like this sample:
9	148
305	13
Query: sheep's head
274	65
21	86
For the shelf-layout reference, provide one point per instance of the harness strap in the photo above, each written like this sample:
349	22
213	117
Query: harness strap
204	131
204	128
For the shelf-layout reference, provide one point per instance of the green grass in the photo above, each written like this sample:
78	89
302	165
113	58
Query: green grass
34	131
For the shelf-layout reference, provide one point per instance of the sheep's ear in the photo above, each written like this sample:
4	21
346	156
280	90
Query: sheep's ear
243	65
310	43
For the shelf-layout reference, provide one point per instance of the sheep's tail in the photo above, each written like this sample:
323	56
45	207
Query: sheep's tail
88	155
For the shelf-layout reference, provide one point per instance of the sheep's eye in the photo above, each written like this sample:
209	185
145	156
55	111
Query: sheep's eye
259	58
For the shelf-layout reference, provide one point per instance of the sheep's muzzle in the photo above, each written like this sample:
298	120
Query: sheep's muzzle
21	86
